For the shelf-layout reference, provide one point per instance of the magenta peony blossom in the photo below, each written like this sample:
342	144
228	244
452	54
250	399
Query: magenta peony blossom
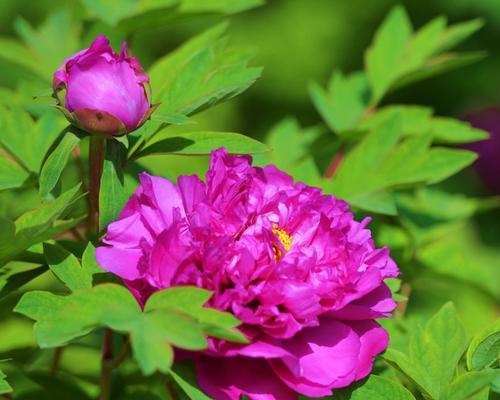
487	164
291	263
106	93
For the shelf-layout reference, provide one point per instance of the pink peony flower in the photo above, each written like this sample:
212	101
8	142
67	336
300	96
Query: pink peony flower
290	262
106	93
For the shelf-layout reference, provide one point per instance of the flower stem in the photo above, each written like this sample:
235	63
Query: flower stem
106	364
97	150
56	359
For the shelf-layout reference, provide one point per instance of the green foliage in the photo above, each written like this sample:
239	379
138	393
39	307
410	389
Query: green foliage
484	350
399	160
38	225
56	161
4	386
174	316
433	354
399	56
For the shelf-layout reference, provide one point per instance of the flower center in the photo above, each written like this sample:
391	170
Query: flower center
284	238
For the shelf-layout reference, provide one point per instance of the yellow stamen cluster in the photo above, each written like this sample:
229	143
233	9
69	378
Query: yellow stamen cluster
284	238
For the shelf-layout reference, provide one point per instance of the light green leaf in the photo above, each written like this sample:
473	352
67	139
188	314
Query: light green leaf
14	52
89	263
66	267
384	55
219	6
186	380
4	386
434	352
37	225
202	143
398	56
11	282
56	161
344	103
290	151
112	193
201	73
111	11
190	300
380	388
465	386
12	176
484	350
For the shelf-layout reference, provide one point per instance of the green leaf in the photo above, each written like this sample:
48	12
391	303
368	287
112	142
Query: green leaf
433	353
344	103
202	143
89	263
378	388
12	176
175	318
56	161
112	193
16	125
37	225
201	73
398	56
4	386
172	119
290	151
10	283
190	300
484	350
383	57
111	11
66	267
465	386
184	377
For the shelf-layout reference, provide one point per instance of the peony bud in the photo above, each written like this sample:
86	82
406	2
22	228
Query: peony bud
105	93
487	165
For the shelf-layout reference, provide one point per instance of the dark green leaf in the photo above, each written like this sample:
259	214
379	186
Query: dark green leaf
484	350
172	119
202	143
185	378
112	194
433	353
376	388
12	282
37	225
56	161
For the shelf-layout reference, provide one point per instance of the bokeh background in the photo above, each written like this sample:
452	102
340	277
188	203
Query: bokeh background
296	42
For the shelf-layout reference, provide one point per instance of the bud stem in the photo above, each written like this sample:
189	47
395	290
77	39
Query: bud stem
97	148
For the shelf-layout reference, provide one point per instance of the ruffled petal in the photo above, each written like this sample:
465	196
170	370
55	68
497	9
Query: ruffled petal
231	377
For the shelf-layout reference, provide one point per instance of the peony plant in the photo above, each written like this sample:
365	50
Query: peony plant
287	271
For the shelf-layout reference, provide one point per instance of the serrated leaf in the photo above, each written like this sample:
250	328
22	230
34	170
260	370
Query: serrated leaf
37	225
484	350
344	103
202	143
56	161
66	267
112	193
433	353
